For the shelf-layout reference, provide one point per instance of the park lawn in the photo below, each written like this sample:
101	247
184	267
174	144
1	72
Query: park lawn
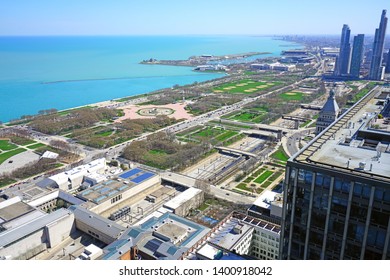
203	207
228	134
263	177
6	181
157	152
290	96
36	146
244	116
208	132
22	141
104	133
245	86
5	145
243	187
280	155
305	123
7	155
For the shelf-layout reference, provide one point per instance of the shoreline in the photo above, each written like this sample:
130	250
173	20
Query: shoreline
115	101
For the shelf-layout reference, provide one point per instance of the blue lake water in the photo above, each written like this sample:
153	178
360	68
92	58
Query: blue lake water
62	72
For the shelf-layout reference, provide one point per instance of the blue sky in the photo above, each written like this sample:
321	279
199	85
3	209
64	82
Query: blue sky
163	17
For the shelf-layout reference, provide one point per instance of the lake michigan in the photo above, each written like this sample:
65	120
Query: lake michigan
62	72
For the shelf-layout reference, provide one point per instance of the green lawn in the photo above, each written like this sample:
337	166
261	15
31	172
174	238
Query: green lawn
7	155
36	146
157	152
6	181
203	207
104	133
249	117
246	86
294	95
208	132
5	145
243	187
228	134
263	177
280	155
22	141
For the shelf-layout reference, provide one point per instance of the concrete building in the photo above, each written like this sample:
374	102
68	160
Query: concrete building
129	184
328	113
357	55
165	237
376	68
337	188
181	205
240	235
36	235
95	225
71	180
273	66
343	60
268	207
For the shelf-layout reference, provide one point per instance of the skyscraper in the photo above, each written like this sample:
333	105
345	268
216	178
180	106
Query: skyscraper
357	55
377	49
342	64
337	188
387	70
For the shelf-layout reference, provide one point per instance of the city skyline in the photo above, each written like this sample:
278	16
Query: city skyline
378	48
247	17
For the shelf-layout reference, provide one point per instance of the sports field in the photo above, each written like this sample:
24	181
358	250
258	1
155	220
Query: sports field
293	95
246	86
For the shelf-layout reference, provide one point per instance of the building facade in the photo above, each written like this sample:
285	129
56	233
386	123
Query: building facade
337	189
376	69
357	55
342	63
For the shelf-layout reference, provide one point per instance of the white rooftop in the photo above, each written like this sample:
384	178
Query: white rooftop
265	199
182	198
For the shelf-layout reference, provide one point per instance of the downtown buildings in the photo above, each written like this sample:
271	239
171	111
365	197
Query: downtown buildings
337	188
348	63
343	60
376	69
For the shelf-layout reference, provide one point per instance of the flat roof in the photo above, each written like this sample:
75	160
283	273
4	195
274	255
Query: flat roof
15	210
12	235
178	179
265	199
225	237
348	144
182	198
106	190
97	222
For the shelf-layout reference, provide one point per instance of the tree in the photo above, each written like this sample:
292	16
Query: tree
202	185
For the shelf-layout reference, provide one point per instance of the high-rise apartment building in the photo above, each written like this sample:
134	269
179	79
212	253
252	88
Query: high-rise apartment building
337	188
387	70
342	64
357	55
376	68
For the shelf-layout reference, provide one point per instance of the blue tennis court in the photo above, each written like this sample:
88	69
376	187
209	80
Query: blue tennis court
130	173
142	177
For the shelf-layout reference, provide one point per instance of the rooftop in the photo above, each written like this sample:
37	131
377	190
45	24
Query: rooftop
182	198
15	234
106	190
96	221
162	236
226	237
13	208
357	142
